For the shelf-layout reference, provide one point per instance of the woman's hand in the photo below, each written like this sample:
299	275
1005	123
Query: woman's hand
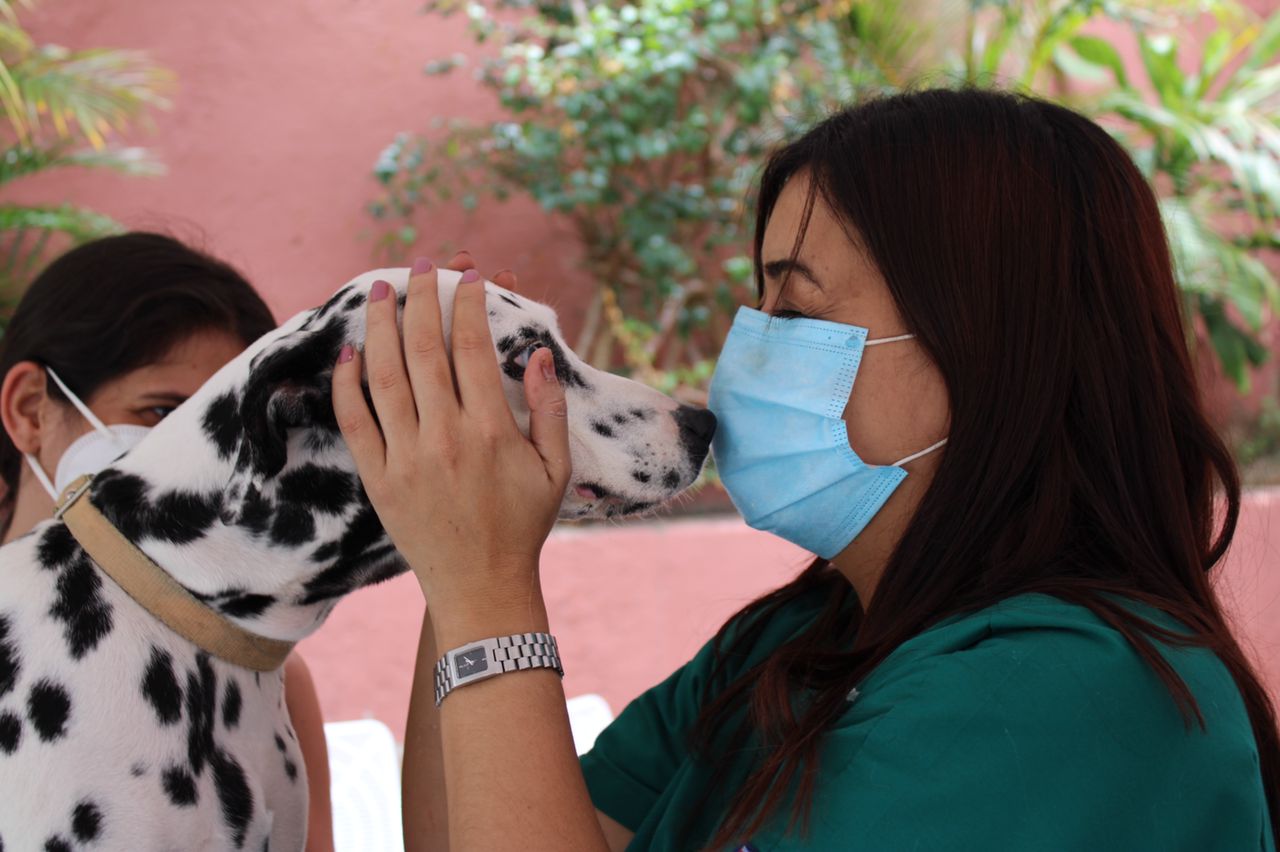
466	498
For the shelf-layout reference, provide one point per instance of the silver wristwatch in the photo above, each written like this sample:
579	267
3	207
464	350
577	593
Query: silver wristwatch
490	657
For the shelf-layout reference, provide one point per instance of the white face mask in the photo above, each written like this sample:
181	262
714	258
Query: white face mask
89	453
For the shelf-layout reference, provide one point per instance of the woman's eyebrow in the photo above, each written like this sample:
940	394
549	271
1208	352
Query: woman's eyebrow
165	396
780	269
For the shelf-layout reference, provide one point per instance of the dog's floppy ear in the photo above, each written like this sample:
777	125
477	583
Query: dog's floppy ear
288	387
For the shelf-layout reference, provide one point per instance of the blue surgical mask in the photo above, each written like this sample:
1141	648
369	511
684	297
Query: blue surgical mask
781	447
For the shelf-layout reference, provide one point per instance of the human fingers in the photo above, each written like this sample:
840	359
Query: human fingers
548	417
355	420
425	353
474	362
384	364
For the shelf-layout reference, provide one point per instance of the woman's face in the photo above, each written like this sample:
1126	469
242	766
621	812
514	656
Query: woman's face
143	396
899	402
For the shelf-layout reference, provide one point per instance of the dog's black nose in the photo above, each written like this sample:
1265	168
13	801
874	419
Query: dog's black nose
697	426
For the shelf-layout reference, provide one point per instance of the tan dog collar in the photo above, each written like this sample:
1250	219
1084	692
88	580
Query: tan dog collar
157	592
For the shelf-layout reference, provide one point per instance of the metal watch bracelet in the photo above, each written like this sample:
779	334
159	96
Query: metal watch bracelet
490	657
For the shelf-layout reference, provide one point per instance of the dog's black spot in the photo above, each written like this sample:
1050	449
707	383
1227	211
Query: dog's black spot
56	844
362	546
354	302
201	698
327	306
10	664
57	547
10	732
293	525
245	604
233	794
279	743
85	614
255	512
160	687
222	423
231	704
620	419
122	498
602	429
635	508
510	301
640	476
325	552
179	785
181	517
291	769
324	489
402	299
507	343
48	708
671	479
138	770
86	821
640	414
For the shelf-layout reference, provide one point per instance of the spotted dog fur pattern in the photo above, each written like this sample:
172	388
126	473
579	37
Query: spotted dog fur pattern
117	734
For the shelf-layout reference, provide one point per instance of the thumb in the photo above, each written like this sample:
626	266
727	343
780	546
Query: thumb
548	415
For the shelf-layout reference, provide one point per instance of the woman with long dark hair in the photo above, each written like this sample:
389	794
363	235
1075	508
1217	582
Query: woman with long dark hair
967	390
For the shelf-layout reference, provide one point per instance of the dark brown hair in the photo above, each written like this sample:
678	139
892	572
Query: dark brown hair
116	304
1026	252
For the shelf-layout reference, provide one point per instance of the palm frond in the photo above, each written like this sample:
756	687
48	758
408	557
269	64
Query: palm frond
23	160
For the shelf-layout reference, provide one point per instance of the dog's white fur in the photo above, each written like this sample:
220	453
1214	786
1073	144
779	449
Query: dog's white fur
104	713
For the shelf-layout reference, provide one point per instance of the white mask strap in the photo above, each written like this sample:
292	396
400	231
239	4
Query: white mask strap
888	340
80	406
41	476
915	456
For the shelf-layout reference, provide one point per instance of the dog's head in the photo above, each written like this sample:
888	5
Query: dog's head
268	416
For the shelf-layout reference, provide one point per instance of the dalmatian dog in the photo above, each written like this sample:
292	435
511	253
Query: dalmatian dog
116	733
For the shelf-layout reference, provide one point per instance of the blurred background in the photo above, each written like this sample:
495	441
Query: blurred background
606	152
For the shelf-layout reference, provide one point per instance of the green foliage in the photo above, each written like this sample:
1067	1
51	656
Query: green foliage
644	124
60	108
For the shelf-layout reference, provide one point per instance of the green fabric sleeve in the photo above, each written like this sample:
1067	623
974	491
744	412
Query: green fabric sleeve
636	757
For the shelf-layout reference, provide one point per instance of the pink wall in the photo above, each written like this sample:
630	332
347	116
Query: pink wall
279	114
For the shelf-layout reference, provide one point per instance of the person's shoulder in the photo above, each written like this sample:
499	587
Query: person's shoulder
1041	662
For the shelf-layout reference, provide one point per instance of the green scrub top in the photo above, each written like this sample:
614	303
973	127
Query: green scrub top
1030	725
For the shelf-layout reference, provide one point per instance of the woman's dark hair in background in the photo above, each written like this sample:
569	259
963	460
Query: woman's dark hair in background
1026	252
116	304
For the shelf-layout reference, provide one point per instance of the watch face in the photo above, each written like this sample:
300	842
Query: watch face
471	662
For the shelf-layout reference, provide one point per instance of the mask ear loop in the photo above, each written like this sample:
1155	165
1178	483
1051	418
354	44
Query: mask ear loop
43	477
80	406
888	340
914	456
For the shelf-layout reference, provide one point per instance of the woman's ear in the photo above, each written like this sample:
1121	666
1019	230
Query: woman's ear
22	398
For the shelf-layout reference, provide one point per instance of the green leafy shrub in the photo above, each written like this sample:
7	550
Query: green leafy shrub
643	124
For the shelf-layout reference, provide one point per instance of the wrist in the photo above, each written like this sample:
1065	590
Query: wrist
456	623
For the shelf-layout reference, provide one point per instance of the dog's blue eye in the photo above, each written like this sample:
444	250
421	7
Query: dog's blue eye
522	357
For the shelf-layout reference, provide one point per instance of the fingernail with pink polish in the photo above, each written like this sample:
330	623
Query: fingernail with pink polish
469	276
379	291
420	266
345	354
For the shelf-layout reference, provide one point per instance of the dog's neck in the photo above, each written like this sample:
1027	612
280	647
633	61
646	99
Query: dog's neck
168	497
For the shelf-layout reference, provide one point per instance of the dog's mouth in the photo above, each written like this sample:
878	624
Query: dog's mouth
599	501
